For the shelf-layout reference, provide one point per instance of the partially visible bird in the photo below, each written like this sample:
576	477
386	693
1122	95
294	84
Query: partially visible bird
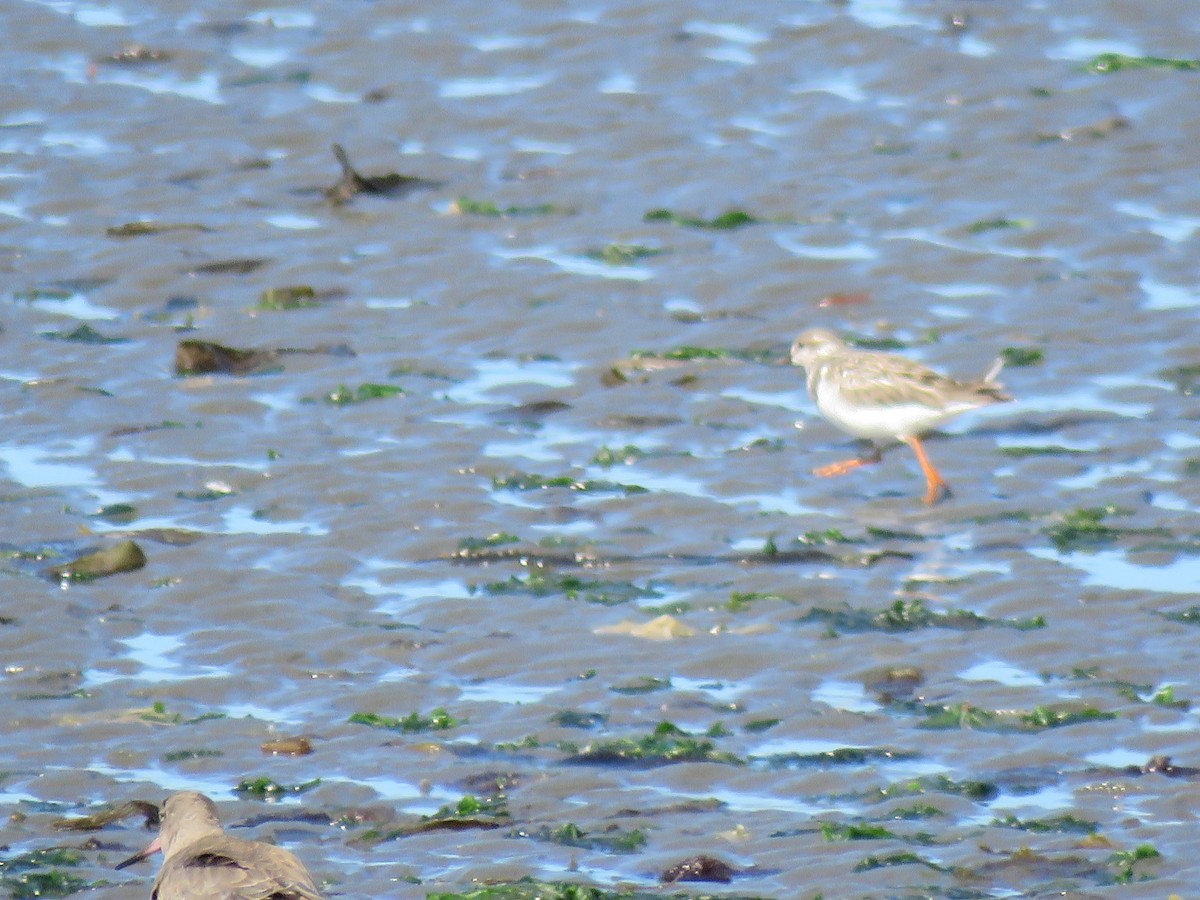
885	397
201	862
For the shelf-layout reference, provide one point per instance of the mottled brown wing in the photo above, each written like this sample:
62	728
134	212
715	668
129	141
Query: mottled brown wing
877	379
224	868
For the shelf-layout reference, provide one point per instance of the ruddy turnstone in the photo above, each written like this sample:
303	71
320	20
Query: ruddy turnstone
885	397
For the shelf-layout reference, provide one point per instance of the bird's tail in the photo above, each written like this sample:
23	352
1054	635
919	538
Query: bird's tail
994	372
990	383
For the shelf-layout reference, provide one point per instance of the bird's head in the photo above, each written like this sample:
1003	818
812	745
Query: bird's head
815	345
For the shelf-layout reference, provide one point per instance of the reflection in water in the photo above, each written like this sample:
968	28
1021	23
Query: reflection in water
887	14
77	305
217	786
152	653
579	265
850	696
490	87
1168	296
36	467
1174	228
243	520
1082	49
501	692
855	250
618	83
1001	672
491	374
206	87
1051	798
1117	757
1110	568
838	85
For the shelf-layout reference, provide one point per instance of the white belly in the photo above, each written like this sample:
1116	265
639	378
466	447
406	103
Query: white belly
881	422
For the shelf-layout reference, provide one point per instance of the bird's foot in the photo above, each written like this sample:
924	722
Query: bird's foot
938	490
846	465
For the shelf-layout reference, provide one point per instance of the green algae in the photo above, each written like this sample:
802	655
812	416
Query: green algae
184	755
820	538
1189	616
142	228
740	601
910	615
1085	529
975	718
1185	379
1164	696
836	831
53	883
345	396
727	221
469	207
539	583
1107	63
839	756
623	254
469	813
768	445
939	784
999	224
915	811
158	715
236	266
402	369
527	482
571	718
612	840
886	344
1019	357
607	457
470	806
496	539
757	726
84	334
1020	452
691	353
889	534
207	495
282	299
668	743
264	787
530	889
437	720
38	859
529	742
1064	824
121	513
645	684
1124	862
904	858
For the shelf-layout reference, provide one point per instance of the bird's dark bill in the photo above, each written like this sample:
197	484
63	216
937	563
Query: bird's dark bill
154	847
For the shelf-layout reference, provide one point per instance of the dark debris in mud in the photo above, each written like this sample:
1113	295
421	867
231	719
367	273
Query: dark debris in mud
353	182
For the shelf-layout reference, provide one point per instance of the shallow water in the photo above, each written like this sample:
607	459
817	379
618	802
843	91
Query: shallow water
962	188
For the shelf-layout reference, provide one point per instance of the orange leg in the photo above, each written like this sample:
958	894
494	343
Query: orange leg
846	465
936	487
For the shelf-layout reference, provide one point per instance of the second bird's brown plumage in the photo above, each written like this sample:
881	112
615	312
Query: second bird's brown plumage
201	862
885	397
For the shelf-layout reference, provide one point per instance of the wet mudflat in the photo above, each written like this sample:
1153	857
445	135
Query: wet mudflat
455	488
